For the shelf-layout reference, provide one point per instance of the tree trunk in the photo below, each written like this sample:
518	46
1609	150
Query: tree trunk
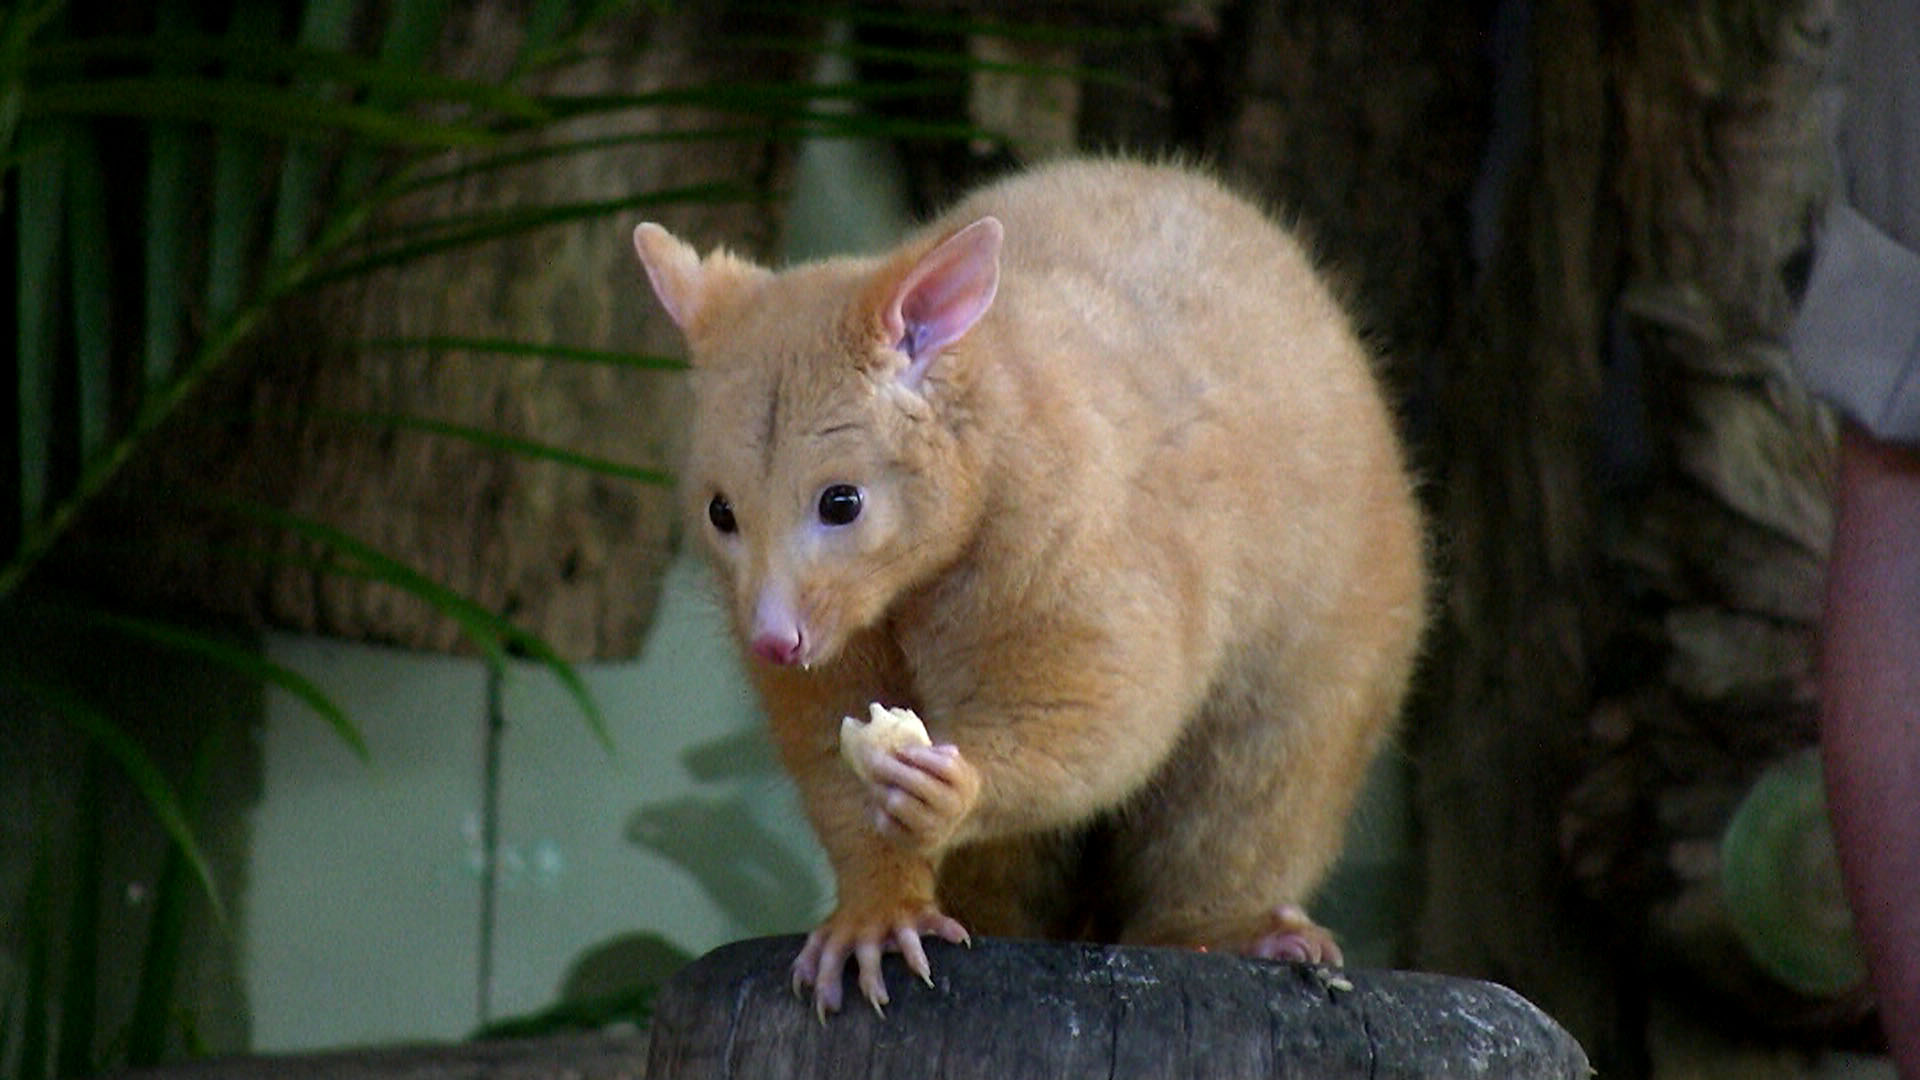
1013	1010
1633	509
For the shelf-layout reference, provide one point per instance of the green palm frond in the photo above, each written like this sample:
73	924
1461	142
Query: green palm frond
1111	31
155	1003
148	778
26	1045
265	60
264	110
165	194
296	109
495	636
339	133
940	60
532	350
410	243
266	100
507	444
225	653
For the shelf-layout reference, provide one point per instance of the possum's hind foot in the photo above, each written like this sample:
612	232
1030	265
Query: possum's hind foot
1294	938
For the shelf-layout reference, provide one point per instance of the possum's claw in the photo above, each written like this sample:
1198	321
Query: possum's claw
866	937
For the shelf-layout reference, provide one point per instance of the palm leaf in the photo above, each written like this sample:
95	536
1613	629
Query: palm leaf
753	98
788	121
43	523
31	1056
235	109
324	30
154	1002
138	767
165	215
242	114
79	997
492	634
243	661
238	160
239	106
42	193
265	100
544	47
12	1002
267	162
241	109
449	234
529	350
965	25
310	63
410	31
18	24
944	60
88	289
506	444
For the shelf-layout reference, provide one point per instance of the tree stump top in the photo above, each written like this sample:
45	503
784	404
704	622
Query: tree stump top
1012	1010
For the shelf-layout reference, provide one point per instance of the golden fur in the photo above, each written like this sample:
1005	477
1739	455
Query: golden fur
1140	544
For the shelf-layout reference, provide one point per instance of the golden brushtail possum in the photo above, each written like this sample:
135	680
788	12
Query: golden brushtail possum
1094	475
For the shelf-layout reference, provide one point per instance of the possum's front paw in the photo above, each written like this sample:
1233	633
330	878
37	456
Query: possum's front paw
922	794
866	932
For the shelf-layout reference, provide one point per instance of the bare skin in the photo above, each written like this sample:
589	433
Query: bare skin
1870	727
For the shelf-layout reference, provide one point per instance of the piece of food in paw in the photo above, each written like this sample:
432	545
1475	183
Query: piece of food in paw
887	729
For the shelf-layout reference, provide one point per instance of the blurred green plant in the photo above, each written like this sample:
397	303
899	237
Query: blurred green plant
613	982
116	328
129	293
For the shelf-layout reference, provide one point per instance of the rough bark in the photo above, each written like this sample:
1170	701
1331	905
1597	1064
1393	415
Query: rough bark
1014	1010
1633	508
1723	530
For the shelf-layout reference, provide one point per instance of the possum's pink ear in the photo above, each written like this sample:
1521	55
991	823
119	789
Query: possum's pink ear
943	295
675	271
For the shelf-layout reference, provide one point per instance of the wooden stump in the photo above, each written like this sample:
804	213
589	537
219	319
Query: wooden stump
1013	1010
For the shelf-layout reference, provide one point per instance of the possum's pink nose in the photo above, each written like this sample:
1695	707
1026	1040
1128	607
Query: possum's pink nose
778	646
776	636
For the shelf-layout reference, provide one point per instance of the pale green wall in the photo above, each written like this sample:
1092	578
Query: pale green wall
362	912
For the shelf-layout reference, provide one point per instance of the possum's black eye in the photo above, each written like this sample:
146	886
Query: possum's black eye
720	512
840	504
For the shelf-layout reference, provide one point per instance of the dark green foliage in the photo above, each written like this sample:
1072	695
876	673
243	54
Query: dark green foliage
170	176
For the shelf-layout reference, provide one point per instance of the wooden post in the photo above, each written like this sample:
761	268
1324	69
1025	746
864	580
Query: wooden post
1013	1010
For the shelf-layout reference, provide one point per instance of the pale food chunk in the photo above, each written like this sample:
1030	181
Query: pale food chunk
888	729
